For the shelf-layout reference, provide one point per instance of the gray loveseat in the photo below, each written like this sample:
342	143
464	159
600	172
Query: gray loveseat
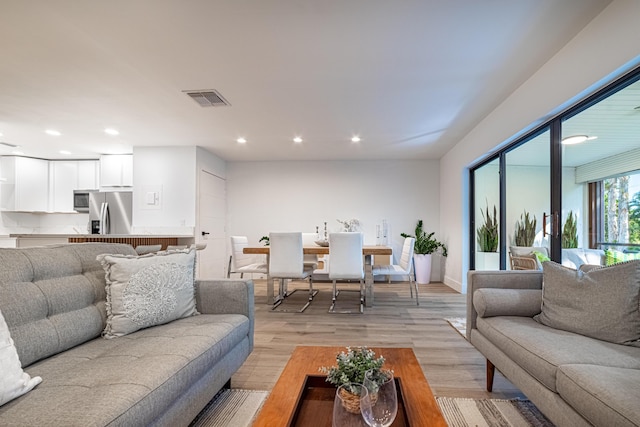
53	300
573	379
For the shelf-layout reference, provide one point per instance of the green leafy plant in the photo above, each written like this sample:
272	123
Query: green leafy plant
570	231
425	243
525	232
488	233
264	239
352	366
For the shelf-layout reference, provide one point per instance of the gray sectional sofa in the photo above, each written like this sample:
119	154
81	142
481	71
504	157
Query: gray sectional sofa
53	300
573	379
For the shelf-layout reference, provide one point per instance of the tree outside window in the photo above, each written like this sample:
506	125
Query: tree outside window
622	209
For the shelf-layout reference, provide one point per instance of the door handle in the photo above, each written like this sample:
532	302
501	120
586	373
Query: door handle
554	222
204	233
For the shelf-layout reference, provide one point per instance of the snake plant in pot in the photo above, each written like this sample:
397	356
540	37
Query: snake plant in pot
488	237
424	247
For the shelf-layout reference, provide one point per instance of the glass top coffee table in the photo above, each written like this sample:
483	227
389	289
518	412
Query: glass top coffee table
302	397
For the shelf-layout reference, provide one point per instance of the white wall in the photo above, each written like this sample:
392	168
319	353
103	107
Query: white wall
298	196
605	49
171	172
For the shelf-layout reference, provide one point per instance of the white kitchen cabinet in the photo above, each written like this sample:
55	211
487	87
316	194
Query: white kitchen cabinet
88	175
69	175
116	170
25	184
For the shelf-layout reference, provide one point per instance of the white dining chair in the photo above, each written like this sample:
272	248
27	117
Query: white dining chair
240	262
308	239
286	262
403	268
346	263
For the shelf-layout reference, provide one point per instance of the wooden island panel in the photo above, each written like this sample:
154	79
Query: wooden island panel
133	241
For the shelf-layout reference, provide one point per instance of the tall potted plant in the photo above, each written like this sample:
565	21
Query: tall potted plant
570	231
525	232
488	238
424	247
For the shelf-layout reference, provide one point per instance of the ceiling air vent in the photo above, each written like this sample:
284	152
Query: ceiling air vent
207	98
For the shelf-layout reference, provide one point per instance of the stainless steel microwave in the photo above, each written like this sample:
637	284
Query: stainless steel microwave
81	200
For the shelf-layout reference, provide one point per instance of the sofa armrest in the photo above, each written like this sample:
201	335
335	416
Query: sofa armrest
504	279
227	296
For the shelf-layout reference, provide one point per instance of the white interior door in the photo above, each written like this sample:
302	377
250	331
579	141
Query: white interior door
211	230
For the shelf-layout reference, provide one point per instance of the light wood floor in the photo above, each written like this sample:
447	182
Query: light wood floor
453	367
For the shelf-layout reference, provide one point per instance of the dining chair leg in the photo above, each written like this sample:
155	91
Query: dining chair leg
333	298
415	283
361	296
229	268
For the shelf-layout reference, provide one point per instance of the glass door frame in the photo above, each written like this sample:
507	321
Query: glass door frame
554	125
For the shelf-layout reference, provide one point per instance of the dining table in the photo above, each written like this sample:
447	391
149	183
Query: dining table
368	251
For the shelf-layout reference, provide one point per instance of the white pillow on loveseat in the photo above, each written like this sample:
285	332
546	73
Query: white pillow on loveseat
14	382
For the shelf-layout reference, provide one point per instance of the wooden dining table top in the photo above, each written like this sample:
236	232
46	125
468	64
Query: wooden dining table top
322	250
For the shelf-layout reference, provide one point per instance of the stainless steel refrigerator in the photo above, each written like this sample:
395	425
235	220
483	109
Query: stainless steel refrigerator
110	212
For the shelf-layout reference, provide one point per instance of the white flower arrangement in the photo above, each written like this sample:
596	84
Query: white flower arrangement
350	224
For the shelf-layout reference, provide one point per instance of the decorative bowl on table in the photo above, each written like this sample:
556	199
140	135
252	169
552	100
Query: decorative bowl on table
322	242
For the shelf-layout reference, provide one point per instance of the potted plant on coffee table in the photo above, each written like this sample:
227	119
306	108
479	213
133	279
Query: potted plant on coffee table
350	369
424	247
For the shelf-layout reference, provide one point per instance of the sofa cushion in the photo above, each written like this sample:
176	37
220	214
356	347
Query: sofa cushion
603	303
14	382
603	395
129	380
490	302
53	298
540	350
614	256
148	290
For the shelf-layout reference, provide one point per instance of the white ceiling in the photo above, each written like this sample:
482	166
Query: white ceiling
411	77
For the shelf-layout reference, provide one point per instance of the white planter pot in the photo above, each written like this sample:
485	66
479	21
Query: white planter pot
487	261
422	266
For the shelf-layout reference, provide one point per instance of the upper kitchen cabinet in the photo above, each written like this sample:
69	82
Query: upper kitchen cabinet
116	170
69	175
25	184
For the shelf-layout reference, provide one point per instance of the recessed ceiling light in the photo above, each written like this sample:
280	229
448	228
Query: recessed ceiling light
66	152
577	139
241	140
17	153
355	138
297	140
52	132
111	131
1	134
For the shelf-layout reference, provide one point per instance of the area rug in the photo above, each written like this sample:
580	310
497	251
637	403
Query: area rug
459	324
491	413
231	408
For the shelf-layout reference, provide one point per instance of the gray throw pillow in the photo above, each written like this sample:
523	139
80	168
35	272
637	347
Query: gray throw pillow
148	290
603	303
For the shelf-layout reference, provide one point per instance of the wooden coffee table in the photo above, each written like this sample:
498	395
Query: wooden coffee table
282	406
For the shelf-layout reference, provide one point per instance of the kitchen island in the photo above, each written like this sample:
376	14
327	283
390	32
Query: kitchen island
29	240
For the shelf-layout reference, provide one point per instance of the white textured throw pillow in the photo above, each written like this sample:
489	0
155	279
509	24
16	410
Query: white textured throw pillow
14	381
148	290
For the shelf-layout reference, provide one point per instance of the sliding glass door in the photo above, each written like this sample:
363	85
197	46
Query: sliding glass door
569	190
486	213
527	184
601	179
